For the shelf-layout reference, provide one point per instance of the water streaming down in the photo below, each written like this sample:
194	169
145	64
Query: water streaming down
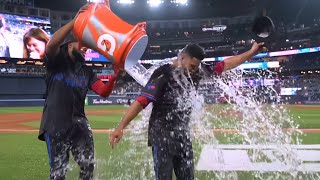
254	116
141	74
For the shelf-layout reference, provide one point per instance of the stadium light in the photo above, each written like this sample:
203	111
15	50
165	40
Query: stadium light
180	2
125	1
95	1
155	3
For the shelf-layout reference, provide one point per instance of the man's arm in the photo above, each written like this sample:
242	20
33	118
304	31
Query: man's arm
235	61
130	114
53	45
102	89
151	93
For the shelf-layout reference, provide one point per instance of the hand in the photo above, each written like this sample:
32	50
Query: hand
256	47
81	10
115	137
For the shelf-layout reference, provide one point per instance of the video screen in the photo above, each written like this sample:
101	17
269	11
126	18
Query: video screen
94	56
23	37
289	91
27	37
104	74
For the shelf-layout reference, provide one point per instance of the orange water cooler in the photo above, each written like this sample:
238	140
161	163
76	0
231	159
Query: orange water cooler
100	29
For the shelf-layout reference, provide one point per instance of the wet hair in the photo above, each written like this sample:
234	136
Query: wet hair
36	33
194	50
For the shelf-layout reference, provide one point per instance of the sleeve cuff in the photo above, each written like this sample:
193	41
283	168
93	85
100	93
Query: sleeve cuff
148	96
218	68
143	101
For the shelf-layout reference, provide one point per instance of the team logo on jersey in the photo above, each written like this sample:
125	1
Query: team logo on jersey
151	87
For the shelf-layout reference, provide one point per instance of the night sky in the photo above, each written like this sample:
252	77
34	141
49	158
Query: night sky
300	10
141	11
62	5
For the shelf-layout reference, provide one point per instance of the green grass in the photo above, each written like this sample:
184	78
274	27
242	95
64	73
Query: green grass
19	109
35	124
23	157
105	121
307	118
39	109
96	121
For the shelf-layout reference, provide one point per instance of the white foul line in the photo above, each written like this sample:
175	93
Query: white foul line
236	158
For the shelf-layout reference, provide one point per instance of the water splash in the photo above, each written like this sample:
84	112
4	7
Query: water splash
141	74
253	115
259	124
262	122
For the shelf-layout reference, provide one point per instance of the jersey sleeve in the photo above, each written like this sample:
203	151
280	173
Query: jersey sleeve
218	68
143	101
154	88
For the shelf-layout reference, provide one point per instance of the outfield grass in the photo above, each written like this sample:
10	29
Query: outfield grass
39	109
19	109
96	121
305	118
24	157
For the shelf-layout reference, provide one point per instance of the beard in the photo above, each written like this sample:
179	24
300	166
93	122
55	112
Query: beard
78	56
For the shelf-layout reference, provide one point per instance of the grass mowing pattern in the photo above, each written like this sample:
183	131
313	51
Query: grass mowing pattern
23	156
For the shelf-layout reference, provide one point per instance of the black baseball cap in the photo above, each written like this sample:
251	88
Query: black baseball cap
194	50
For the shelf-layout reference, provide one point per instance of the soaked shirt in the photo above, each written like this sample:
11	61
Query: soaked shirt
173	95
67	86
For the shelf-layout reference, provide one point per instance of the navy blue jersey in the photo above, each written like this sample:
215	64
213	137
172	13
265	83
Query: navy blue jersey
169	90
67	86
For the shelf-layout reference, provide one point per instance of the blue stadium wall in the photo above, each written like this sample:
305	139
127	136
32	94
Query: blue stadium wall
21	91
29	91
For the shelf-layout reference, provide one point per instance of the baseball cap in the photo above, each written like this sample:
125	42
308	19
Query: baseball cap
263	26
194	50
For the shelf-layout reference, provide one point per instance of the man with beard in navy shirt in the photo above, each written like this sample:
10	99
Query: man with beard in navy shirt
64	125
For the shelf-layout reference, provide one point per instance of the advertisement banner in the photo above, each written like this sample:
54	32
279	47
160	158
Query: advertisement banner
97	100
311	102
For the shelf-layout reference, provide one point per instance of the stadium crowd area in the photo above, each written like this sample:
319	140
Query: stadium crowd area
306	66
166	41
